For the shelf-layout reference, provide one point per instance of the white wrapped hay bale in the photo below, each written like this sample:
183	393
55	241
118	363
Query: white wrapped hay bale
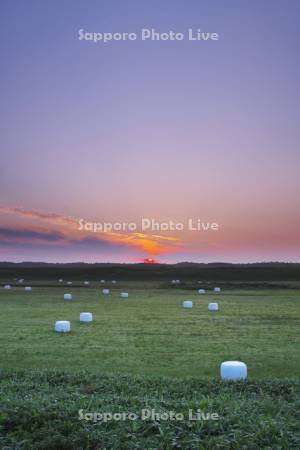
105	291
62	326
7	286
124	295
213	307
69	282
21	280
187	304
177	281
201	291
86	283
68	296
217	289
60	280
28	288
86	317
173	281
233	370
113	282
102	281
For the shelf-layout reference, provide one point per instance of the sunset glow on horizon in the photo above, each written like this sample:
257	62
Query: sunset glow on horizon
181	132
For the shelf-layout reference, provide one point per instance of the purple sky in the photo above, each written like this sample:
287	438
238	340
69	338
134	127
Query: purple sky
169	130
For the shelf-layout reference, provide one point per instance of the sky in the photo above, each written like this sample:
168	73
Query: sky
165	130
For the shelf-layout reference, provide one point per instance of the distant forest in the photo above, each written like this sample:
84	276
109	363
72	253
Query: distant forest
185	271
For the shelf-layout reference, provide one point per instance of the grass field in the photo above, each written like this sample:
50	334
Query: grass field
150	333
40	411
148	352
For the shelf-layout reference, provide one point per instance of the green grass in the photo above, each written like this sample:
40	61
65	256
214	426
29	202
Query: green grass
40	410
150	333
148	352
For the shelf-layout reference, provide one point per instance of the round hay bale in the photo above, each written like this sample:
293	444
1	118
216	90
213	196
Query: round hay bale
124	295
233	370
113	282
105	291
28	288
213	306
68	296
21	280
69	283
102	281
60	280
62	326
7	286
201	291
86	283
187	304
217	289
86	317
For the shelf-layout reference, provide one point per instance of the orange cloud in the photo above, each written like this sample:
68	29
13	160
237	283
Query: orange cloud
151	244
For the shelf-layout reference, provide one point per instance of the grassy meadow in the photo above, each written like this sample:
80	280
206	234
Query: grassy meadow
150	333
148	352
40	410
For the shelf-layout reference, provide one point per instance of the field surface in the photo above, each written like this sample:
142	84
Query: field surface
48	410
150	333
